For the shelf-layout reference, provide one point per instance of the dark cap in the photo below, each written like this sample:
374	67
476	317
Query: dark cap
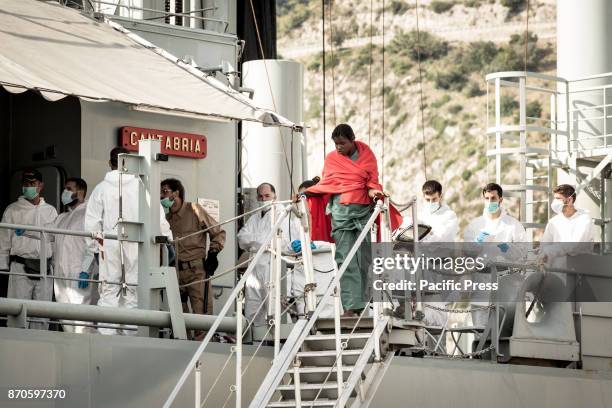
31	175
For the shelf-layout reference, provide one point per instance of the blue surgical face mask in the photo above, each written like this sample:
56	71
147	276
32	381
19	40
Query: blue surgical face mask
166	202
67	197
491	207
29	192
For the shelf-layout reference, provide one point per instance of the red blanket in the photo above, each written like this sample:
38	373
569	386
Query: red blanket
351	179
321	222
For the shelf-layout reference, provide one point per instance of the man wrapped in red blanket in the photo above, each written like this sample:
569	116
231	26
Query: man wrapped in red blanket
346	192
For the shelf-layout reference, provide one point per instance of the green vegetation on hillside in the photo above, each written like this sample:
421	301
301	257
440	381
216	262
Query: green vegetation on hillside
453	87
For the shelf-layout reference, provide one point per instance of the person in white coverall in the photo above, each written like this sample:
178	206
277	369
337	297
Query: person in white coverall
20	250
570	232
74	256
444	227
250	238
102	215
504	236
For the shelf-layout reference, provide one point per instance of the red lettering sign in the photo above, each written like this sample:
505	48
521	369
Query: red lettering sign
172	143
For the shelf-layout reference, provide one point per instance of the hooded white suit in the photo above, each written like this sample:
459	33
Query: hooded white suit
73	255
21	287
102	215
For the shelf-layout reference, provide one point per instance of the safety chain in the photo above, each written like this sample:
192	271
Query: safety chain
457	356
507	271
473	309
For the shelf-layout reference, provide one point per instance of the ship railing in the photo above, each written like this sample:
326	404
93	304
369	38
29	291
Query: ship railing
272	244
22	311
133	9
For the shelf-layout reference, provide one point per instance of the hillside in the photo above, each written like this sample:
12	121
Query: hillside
460	42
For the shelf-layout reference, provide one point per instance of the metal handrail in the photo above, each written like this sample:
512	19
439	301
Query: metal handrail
229	303
37	275
50	230
524	74
302	328
166	13
140	317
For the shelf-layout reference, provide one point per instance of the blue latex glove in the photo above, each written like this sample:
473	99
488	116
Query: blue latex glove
297	245
504	247
83	284
482	236
19	232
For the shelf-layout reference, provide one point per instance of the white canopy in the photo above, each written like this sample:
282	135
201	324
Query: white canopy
59	52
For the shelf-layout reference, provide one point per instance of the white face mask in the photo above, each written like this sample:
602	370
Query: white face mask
433	207
557	205
262	203
67	197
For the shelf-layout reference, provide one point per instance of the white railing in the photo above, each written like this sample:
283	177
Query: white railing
190	17
271	244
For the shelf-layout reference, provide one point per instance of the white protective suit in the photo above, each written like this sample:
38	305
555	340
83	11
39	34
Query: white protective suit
504	229
73	255
250	238
26	246
573	235
102	215
444	227
443	222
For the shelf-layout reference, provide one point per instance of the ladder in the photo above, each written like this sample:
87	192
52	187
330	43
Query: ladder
522	146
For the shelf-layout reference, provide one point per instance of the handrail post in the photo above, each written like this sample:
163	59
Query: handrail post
272	278
417	313
495	329
198	384
43	264
230	302
297	383
275	301
337	329
309	289
239	307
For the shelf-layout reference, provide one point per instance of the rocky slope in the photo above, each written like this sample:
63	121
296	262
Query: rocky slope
460	42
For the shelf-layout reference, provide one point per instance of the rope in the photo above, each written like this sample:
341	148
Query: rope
333	59
218	275
324	81
382	158
370	72
526	35
422	107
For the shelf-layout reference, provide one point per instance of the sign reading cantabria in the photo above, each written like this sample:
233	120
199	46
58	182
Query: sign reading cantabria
172	143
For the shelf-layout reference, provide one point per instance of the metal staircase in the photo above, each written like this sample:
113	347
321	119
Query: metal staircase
323	361
331	362
331	370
